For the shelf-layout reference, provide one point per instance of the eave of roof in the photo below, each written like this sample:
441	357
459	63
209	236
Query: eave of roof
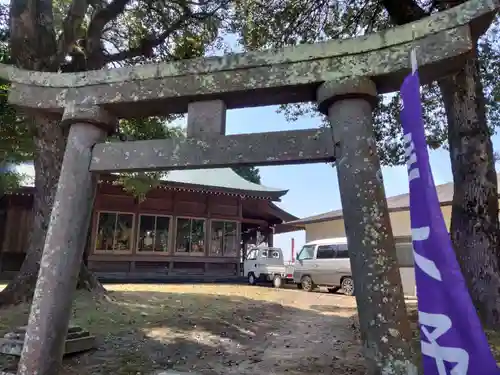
219	179
281	213
396	203
272	209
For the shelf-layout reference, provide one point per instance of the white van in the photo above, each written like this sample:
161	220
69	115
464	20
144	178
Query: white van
324	263
267	264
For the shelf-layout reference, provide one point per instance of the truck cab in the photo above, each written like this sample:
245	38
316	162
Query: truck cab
266	264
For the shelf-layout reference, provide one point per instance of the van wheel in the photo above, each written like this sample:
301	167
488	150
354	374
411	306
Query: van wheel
299	285
307	284
251	279
277	281
347	286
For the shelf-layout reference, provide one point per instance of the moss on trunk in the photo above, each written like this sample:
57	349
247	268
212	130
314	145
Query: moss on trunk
50	143
474	218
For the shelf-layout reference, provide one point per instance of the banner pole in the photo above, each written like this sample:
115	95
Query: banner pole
413	53
413	60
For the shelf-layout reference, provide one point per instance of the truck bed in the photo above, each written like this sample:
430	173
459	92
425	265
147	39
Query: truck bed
286	271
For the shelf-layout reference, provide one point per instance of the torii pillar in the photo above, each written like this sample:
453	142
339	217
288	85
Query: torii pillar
64	245
377	282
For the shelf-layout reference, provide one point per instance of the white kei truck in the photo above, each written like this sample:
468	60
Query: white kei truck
266	264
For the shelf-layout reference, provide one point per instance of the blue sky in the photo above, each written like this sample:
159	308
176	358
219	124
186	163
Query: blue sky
313	188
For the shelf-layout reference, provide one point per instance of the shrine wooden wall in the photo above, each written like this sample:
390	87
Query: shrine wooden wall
170	258
122	242
16	220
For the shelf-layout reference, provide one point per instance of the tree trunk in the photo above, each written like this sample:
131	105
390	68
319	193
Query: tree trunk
86	279
34	46
89	282
49	148
50	143
474	219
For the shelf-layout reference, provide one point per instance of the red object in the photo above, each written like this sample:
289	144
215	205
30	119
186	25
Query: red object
293	249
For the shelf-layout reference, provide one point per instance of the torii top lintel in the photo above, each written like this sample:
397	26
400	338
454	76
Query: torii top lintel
278	76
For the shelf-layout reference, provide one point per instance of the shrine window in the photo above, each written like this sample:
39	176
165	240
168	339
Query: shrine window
224	238
190	236
114	232
153	233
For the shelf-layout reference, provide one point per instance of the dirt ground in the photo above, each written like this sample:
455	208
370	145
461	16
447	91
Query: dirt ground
210	329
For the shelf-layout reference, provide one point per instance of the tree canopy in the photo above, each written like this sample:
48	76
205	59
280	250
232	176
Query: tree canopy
276	23
251	174
112	34
134	32
16	145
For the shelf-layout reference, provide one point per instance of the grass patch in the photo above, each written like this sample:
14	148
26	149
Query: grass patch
155	327
203	327
494	340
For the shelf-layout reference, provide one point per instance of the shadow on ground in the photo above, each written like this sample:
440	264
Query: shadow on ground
210	330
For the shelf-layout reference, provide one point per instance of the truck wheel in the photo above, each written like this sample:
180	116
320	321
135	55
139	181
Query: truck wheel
277	281
307	284
347	286
251	279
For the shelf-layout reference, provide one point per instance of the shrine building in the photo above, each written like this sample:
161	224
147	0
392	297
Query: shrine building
195	224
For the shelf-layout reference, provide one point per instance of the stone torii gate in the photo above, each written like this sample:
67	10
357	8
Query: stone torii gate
342	76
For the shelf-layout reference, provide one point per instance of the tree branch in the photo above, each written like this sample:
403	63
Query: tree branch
96	27
104	16
71	26
441	5
147	44
404	11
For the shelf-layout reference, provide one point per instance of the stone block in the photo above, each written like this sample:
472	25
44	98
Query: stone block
19	334
11	347
77	340
72	328
79	345
172	372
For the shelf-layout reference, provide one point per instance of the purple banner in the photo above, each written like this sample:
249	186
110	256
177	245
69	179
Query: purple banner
452	339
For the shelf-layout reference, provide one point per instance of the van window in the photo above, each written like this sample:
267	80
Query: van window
326	252
342	251
307	252
252	255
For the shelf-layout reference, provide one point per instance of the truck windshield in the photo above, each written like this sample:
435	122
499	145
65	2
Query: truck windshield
307	252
